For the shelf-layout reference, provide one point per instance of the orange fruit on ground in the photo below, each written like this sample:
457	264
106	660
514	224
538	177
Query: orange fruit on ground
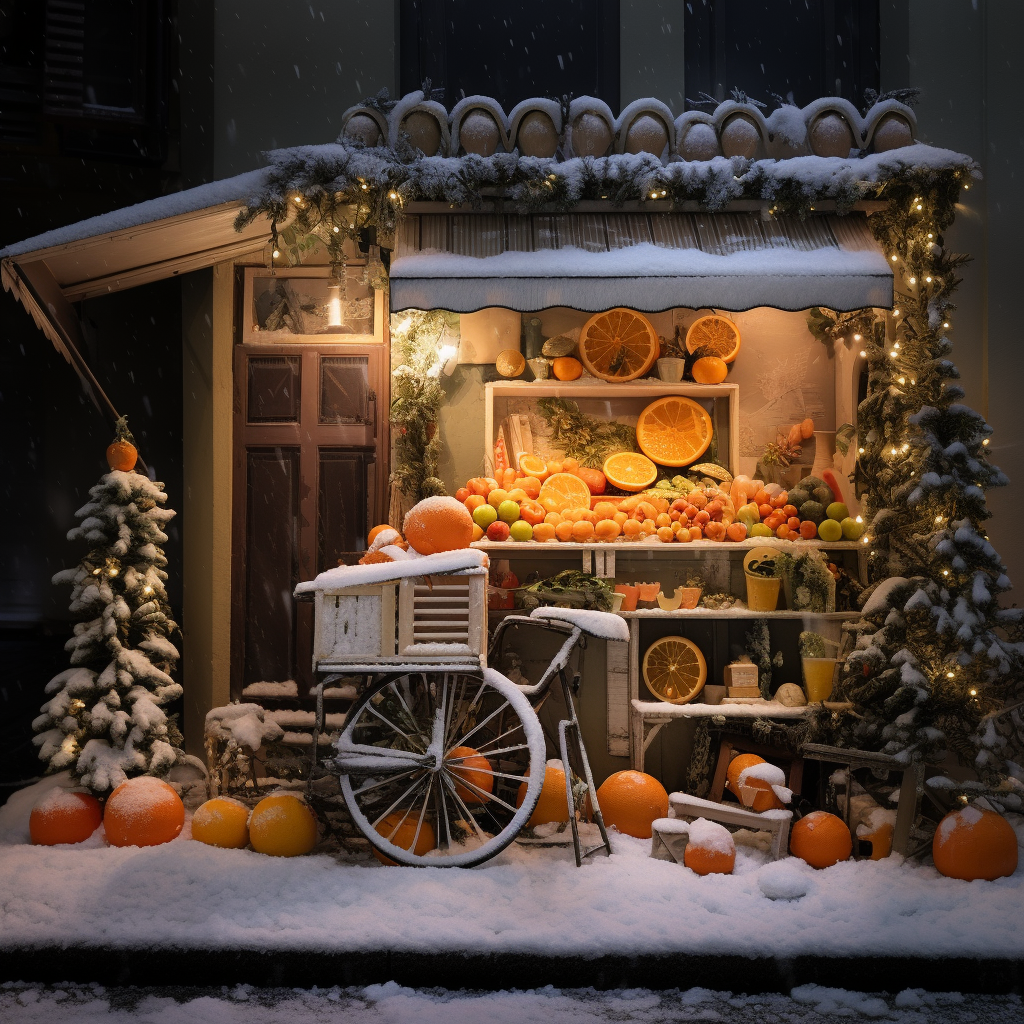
739	764
566	490
632	801
673	431
619	345
403	835
714	335
543	531
61	816
510	363
820	839
438	524
710	370
475	770
222	822
553	804
674	669
143	812
282	825
973	842
630	471
372	535
710	848
567	368
533	465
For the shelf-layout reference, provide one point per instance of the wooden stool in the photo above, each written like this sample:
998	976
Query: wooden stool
733	817
731	743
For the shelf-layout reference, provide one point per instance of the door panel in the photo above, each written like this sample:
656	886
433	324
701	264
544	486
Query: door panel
309	479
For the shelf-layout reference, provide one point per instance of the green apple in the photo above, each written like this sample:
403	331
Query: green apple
852	528
760	530
484	515
837	511
508	511
521	530
829	530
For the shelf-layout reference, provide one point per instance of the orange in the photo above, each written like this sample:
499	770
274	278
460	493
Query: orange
630	471
674	669
710	849
553	804
475	770
372	535
582	531
533	465
551	503
478	534
222	822
605	510
821	839
567	490
714	335
438	524
282	825
563	531
630	529
666	534
61	816
673	431
143	812
974	843
710	370
543	531
554	518
607	530
403	835
532	511
567	368
618	345
632	801
739	764
474	501
531	485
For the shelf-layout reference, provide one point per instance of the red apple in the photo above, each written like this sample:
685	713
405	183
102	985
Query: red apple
497	531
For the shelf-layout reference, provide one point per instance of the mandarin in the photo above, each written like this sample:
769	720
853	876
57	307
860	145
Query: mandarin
533	466
607	530
820	839
563	531
666	534
582	531
474	770
61	817
143	811
531	485
632	801
222	822
438	524
974	842
400	831
543	532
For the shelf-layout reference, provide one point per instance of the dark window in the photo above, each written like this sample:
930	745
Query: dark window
796	49
512	50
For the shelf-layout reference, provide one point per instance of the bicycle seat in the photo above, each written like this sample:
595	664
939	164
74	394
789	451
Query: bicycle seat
603	625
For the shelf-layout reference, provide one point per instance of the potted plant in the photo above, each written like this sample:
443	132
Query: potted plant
761	571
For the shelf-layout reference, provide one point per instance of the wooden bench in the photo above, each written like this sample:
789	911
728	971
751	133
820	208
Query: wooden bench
732	816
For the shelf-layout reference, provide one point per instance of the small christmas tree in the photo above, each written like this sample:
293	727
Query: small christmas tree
105	718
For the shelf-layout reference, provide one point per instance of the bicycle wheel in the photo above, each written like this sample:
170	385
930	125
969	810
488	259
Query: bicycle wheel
432	765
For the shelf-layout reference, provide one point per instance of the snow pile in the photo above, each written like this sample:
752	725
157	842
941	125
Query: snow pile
605	625
770	773
244	725
789	879
709	835
288	688
468	560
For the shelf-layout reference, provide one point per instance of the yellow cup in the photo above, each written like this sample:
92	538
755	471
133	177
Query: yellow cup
818	673
762	592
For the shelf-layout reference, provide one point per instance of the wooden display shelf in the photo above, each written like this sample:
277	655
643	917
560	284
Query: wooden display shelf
733	613
532	548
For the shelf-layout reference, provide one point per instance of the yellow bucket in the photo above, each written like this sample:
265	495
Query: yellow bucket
818	673
762	592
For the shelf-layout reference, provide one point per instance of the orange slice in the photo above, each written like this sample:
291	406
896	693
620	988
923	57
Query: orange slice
618	345
630	471
714	335
533	465
563	490
673	431
674	669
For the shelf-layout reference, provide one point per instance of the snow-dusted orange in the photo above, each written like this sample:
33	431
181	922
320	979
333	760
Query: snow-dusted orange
567	368
632	801
553	804
821	839
438	524
710	849
630	471
61	816
222	822
974	842
739	764
143	812
372	535
714	335
673	431
564	490
475	771
404	830
619	345
282	825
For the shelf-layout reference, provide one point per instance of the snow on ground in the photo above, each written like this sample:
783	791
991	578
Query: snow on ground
526	899
392	1004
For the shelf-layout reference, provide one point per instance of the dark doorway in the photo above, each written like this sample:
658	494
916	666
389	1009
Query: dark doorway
512	50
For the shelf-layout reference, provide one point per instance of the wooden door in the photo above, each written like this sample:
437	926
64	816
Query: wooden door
309	480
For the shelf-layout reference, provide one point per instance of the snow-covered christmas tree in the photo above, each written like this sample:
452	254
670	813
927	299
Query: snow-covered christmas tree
105	719
938	669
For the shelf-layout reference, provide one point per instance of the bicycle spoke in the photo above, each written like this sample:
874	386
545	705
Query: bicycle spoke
487	771
391	725
394	688
383	782
466	811
419	782
476	728
490	753
423	811
444	816
501	736
467	706
463	781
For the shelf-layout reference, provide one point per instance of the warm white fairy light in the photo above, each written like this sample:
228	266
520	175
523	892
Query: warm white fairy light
859	519
950	675
895	344
894	451
946	325
973	693
913	280
893	257
895	312
863	354
927	280
860	451
985	442
903	380
856	337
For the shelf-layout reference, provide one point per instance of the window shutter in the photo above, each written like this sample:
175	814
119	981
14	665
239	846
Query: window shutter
63	91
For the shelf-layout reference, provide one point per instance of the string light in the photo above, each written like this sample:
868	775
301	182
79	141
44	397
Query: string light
985	441
950	675
859	519
927	280
856	337
895	312
147	589
973	693
894	451
895	344
903	380
913	280
946	325
863	354
893	257
860	451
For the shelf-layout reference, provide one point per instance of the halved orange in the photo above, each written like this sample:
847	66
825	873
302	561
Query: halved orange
630	471
533	465
673	431
618	345
566	490
714	335
674	669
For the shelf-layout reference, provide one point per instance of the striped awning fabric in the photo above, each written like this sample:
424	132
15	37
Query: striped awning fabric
591	261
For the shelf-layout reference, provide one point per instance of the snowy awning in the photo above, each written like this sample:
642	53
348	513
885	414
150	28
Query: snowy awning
648	261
